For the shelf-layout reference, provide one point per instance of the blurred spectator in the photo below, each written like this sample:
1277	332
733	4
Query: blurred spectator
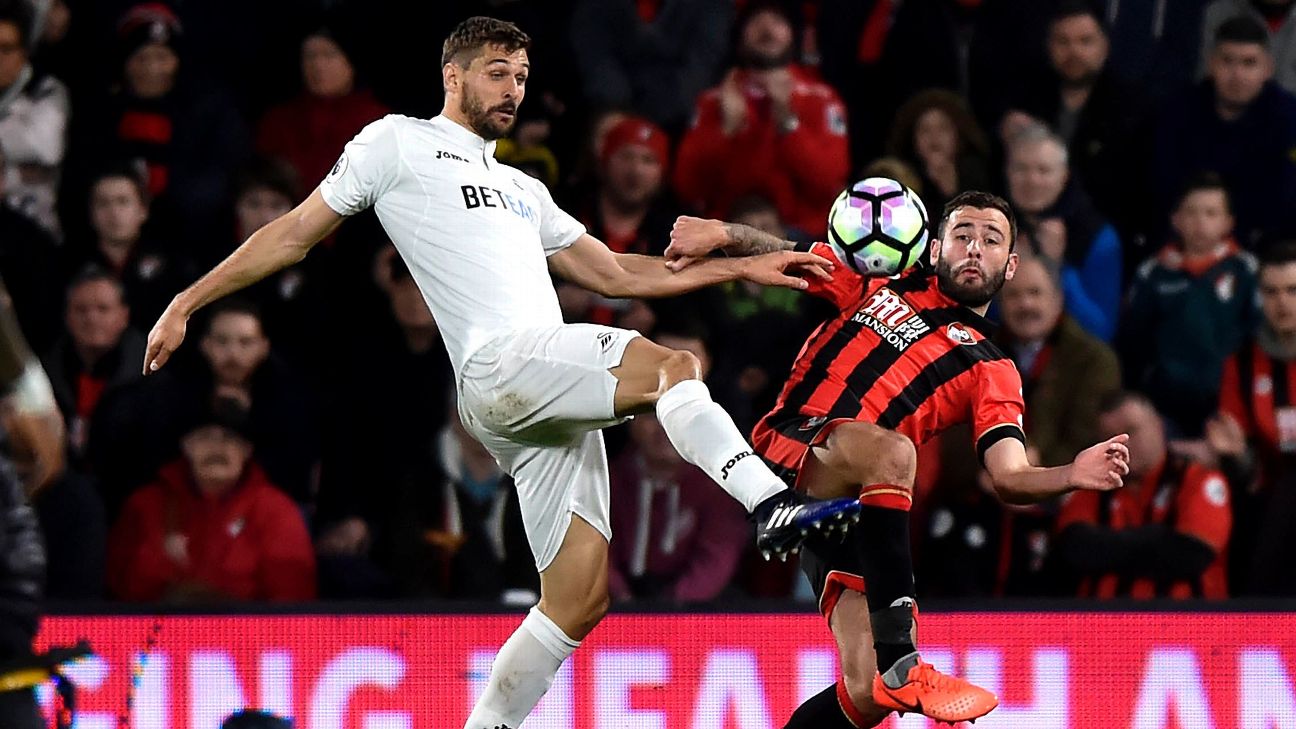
980	49
630	211
189	137
678	536
99	352
34	110
1060	223
851	36
455	527
125	245
310	131
1238	124
1164	534
389	408
896	169
651	57
1153	47
1083	101
212	527
249	719
1278	17
75	527
769	128
1254	435
29	267
1065	371
1189	309
936	134
974	545
281	410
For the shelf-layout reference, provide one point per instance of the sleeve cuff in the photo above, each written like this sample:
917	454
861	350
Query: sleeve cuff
996	434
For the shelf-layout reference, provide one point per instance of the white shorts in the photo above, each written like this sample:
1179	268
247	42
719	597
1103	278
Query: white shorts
537	399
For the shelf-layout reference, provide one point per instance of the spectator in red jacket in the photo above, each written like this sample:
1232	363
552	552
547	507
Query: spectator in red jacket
770	128
309	130
212	527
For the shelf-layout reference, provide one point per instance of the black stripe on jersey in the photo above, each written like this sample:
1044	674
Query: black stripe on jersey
1279	372
996	434
941	371
818	369
882	357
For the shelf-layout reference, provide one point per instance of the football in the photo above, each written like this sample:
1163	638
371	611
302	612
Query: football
878	227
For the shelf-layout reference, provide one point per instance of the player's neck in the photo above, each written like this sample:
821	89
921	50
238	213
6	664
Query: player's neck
454	114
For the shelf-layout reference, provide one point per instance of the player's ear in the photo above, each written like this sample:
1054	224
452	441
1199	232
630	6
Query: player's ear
933	251
1010	269
450	77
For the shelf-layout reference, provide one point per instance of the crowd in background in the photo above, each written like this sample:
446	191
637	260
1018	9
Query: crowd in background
304	442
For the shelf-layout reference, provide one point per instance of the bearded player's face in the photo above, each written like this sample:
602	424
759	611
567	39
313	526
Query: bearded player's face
974	257
492	89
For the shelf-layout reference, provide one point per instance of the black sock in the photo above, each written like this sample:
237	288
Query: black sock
888	581
821	711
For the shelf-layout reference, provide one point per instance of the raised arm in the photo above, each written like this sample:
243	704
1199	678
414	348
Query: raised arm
279	244
695	238
589	264
1098	468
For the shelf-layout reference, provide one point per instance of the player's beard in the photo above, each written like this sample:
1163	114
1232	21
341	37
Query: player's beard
480	119
973	295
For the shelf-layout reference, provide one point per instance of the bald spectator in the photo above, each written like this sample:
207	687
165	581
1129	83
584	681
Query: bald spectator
1060	223
769	128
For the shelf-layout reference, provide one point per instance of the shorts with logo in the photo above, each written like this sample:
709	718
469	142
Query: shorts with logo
537	399
832	564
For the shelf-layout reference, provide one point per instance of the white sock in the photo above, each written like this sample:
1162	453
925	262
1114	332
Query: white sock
526	664
706	436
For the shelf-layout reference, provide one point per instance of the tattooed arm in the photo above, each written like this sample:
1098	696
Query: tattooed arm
694	238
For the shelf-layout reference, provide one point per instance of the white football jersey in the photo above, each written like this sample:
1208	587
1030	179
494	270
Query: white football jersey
475	233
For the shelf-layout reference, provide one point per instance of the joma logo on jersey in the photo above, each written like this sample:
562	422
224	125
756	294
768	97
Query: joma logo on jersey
449	155
892	319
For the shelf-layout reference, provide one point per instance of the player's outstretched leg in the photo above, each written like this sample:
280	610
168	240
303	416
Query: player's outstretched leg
573	598
847	704
879	465
652	376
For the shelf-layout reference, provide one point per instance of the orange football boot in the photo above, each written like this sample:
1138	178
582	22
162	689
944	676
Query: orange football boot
931	693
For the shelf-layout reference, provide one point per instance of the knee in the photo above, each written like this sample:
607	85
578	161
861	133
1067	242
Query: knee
879	455
591	613
578	618
678	365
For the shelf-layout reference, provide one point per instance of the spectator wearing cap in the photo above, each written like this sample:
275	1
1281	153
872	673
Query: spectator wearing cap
1277	16
34	109
212	527
310	130
770	128
1239	124
187	138
631	210
653	57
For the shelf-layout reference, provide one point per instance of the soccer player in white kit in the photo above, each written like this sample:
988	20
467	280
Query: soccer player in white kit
481	238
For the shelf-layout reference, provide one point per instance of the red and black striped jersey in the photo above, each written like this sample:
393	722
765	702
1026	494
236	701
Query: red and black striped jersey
903	355
1258	391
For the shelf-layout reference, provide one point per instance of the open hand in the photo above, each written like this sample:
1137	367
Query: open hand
165	339
785	268
1102	467
1225	437
693	238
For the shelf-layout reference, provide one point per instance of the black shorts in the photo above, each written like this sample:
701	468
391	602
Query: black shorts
833	564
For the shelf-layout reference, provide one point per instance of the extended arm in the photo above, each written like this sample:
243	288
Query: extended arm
589	264
1099	468
276	246
694	238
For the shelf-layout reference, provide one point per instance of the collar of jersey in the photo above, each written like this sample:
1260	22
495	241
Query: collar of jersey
463	136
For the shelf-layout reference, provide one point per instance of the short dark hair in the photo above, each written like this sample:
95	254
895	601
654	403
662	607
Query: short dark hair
1067	9
270	173
94	273
751	204
475	33
1278	253
1242	29
981	201
235	305
1113	401
18	14
249	719
124	171
1204	182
